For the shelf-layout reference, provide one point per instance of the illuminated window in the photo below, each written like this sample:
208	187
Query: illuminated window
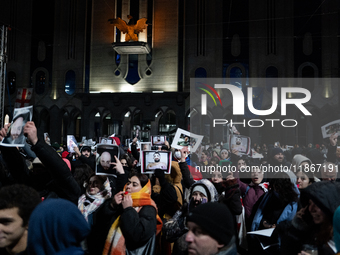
40	80
70	82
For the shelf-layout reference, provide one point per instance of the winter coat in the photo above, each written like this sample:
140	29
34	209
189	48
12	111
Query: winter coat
168	194
288	212
251	193
175	229
302	230
56	226
52	179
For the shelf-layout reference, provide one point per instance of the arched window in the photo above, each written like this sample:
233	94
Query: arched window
271	78
167	124
307	72
236	77
200	73
40	79
11	81
133	75
70	82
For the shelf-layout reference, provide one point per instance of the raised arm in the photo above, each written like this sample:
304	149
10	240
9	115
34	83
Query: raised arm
66	186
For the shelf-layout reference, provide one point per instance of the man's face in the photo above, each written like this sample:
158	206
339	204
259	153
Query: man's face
279	157
238	141
157	157
198	198
199	242
11	227
338	152
16	128
328	172
86	153
105	160
240	164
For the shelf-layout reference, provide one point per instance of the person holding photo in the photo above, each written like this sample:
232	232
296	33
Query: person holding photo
238	145
157	164
185	142
105	164
16	135
158	140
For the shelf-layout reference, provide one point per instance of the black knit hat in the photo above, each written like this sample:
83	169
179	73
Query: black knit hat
86	148
276	151
215	219
326	195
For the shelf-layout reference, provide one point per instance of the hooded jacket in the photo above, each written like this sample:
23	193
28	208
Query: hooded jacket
297	160
168	193
56	226
175	229
326	195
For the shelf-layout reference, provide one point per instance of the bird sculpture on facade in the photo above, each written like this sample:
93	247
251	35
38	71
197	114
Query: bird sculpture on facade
130	29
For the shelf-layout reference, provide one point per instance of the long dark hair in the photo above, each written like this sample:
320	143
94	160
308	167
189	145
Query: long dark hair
284	187
102	179
82	174
141	177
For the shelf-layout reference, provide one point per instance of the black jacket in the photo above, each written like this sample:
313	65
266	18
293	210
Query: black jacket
62	183
54	179
137	228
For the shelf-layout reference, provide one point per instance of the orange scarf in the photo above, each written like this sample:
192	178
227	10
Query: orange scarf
115	241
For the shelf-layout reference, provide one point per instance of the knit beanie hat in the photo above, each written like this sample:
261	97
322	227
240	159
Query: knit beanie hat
64	154
326	195
117	140
276	151
56	146
201	189
336	228
85	147
215	219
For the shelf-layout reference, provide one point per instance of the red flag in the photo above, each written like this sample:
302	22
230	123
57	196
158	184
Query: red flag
23	98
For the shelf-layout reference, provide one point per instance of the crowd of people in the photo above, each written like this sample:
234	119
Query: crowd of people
55	203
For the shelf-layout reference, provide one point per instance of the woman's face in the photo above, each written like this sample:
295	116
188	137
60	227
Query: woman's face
224	154
215	154
256	175
124	162
94	185
302	180
133	185
216	177
318	215
203	156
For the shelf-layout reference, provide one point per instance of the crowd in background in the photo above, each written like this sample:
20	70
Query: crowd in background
55	203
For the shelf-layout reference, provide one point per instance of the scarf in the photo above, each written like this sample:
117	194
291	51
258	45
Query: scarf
263	185
95	200
115	241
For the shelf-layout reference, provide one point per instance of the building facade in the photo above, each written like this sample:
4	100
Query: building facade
82	86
